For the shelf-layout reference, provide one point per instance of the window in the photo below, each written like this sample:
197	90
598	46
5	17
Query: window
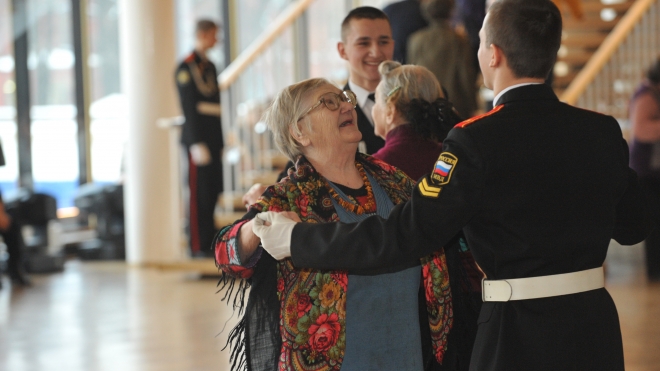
108	122
8	138
52	88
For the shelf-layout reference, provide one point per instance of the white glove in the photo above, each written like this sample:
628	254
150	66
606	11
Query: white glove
200	154
276	237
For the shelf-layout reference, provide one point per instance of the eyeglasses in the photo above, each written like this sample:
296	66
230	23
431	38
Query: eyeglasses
332	101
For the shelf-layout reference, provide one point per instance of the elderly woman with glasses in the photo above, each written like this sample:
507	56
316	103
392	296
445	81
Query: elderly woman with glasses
301	319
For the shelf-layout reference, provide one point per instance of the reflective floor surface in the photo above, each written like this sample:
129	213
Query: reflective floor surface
98	316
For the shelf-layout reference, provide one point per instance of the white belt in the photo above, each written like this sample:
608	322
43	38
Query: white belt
544	286
209	109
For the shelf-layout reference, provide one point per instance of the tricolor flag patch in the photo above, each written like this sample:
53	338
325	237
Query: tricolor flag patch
443	168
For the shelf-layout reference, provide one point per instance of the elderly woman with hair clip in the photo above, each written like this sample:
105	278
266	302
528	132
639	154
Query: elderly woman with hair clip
301	319
413	116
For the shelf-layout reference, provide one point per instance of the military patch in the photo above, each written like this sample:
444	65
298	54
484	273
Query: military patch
443	169
183	77
428	190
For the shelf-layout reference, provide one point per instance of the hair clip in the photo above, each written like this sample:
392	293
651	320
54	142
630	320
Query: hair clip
393	91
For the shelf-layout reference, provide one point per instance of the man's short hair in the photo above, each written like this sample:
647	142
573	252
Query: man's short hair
362	12
204	25
529	34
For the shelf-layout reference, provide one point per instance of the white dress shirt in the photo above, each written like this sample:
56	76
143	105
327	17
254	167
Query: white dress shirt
363	100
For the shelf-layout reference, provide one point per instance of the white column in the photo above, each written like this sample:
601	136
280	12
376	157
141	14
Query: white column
151	193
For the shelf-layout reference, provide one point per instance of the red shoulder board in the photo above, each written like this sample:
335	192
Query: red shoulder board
475	118
190	58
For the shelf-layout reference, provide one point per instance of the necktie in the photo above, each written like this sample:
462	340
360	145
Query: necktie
372	97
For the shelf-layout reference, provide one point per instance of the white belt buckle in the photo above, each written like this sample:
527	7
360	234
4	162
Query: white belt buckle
542	286
495	290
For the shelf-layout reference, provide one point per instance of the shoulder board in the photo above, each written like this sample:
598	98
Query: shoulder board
476	118
190	58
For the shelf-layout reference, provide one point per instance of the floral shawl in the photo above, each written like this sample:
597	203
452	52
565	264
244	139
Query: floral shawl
312	303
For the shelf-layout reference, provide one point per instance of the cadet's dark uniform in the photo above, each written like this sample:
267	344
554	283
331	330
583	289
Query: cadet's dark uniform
539	188
196	78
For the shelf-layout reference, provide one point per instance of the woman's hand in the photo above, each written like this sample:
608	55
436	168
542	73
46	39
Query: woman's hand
248	241
253	194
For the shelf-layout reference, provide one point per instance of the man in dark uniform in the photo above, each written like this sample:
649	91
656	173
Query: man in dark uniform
537	186
196	79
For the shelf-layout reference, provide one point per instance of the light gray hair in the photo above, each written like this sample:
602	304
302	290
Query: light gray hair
283	114
402	83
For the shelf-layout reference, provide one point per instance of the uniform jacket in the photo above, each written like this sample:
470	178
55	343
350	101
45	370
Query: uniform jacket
373	142
196	80
539	188
312	301
449	56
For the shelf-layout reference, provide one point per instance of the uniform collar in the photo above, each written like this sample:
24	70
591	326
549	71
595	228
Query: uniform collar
528	91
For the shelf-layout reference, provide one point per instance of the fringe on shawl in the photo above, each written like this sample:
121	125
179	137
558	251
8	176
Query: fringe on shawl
236	340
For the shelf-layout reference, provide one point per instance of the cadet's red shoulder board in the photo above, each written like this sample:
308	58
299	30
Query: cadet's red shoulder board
190	58
475	118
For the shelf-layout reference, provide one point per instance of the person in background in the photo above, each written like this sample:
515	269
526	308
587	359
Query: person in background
644	112
447	54
405	18
10	230
196	80
413	116
538	187
366	41
471	13
301	319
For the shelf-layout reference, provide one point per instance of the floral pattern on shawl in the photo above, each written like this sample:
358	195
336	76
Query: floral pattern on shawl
312	302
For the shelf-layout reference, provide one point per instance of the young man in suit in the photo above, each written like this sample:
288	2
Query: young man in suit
538	188
196	79
366	41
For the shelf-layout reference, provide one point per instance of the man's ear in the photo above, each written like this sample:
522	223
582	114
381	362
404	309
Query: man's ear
497	57
341	49
302	139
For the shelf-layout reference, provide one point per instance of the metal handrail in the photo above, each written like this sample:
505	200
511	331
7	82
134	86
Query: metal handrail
261	43
605	52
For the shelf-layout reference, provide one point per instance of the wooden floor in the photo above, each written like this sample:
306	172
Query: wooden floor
108	316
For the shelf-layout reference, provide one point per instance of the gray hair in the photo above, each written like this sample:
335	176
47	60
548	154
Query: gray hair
402	83
283	114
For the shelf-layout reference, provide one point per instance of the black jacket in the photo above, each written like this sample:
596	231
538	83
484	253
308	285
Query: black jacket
196	80
539	188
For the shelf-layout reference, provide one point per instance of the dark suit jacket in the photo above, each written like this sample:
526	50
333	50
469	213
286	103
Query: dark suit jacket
196	81
405	18
539	188
373	142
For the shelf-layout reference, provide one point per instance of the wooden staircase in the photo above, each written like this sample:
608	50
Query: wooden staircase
581	38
